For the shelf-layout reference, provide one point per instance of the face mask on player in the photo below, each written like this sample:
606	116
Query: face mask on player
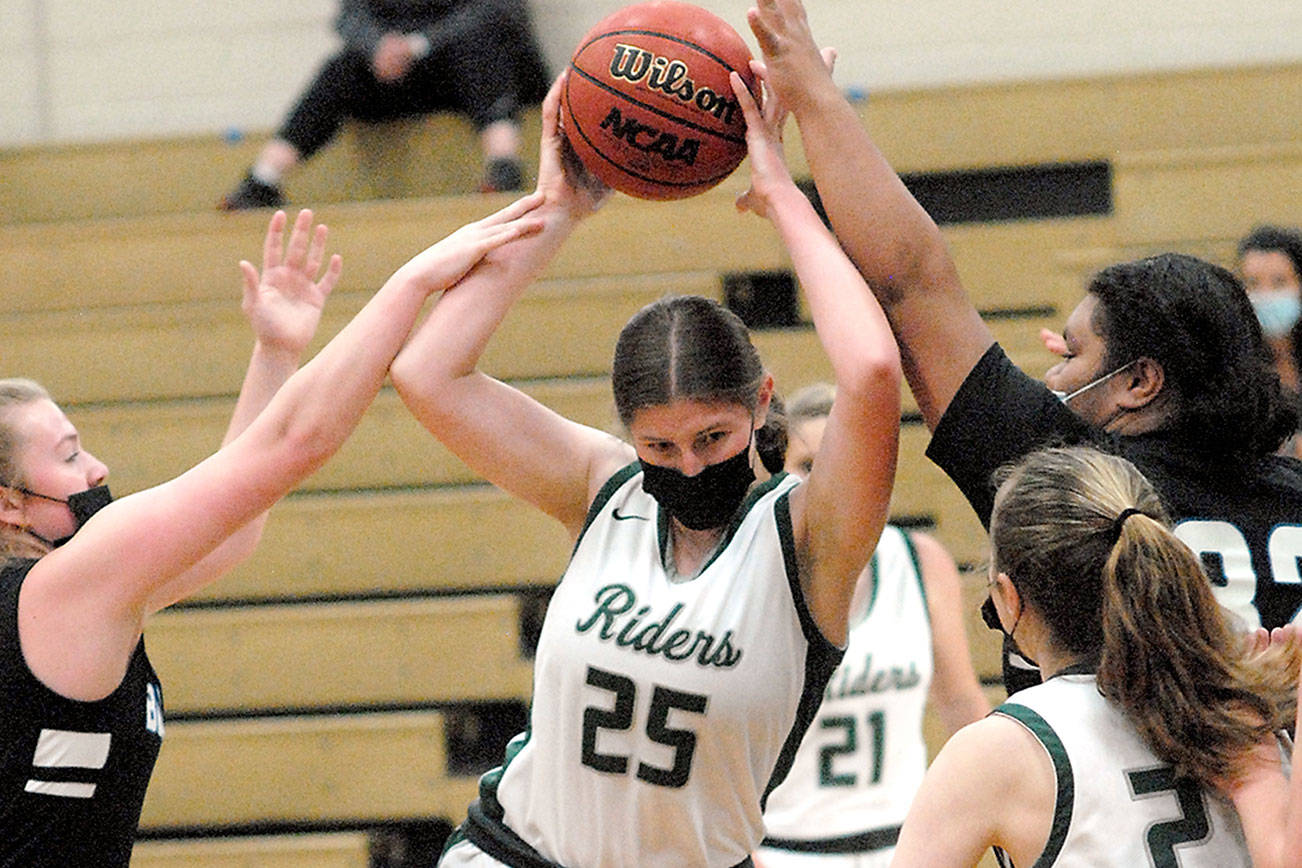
82	504
705	500
990	615
1066	397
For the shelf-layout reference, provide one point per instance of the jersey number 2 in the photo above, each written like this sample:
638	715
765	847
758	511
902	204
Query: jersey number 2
1190	826
620	717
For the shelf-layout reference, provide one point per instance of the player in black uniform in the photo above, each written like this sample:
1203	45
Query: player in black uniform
1164	362
81	710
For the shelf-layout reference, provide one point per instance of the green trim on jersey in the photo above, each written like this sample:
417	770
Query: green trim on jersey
821	659
1053	746
607	491
490	780
747	504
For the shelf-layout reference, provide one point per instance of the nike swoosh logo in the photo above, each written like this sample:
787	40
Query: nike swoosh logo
618	517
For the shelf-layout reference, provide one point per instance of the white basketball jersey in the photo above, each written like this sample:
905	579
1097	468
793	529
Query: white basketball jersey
663	711
1118	805
864	756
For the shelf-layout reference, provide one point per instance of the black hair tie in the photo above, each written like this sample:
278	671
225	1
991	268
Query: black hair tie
1119	522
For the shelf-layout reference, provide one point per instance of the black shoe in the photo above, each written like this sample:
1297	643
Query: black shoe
252	193
502	175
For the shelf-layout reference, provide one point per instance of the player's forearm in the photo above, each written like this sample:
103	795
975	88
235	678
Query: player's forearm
269	368
451	340
891	239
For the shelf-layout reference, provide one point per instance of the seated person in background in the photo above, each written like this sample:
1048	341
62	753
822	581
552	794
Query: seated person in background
412	57
1270	263
1153	739
863	757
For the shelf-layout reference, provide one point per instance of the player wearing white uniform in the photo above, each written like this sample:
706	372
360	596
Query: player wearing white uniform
634	757
634	663
863	757
1117	803
1150	706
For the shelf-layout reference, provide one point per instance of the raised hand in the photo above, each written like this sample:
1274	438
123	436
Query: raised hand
562	178
768	168
797	69
284	301
442	265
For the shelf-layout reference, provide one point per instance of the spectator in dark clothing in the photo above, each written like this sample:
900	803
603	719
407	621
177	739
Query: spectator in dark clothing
412	57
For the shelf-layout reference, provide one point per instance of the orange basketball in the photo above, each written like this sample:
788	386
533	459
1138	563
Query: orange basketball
648	105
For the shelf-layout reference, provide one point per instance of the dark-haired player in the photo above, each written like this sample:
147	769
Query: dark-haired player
1164	361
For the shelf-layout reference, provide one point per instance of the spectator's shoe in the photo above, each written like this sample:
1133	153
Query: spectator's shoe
252	193
502	175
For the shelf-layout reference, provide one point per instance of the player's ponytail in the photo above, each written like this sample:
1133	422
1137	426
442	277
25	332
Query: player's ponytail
1171	660
1084	538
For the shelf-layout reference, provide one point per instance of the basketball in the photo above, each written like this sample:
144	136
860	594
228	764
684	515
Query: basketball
648	105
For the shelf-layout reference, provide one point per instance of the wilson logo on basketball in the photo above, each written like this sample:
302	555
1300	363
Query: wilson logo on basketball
633	64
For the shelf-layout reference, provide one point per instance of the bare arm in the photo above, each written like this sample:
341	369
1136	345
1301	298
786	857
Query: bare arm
894	243
507	437
838	514
991	785
82	606
283	303
955	692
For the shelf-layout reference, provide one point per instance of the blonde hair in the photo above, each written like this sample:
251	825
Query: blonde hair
1084	538
14	393
811	402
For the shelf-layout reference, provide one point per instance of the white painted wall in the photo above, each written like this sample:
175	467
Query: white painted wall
90	70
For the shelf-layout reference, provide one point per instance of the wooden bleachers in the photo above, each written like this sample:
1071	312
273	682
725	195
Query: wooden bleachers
113	267
322	768
370	653
302	850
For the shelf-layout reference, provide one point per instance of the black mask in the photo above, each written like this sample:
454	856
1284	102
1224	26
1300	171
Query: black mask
705	500
82	504
990	615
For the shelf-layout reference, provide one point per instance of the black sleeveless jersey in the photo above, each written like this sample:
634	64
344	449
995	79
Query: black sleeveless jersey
1245	522
72	774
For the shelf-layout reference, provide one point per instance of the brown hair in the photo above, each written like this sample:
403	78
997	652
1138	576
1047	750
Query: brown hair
1124	592
684	346
14	393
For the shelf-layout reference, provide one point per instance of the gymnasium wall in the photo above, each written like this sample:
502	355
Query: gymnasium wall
99	70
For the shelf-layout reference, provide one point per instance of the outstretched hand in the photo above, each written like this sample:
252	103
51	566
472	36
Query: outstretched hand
562	178
442	265
796	68
284	301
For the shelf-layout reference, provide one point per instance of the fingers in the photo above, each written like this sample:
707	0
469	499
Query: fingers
271	244
551	107
749	109
1053	342
829	58
296	253
251	279
328	281
316	251
515	210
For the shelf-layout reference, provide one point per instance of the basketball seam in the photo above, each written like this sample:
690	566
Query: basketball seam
666	115
704	182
